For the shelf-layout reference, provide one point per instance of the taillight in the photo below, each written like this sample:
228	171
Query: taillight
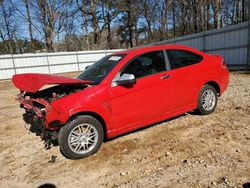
223	64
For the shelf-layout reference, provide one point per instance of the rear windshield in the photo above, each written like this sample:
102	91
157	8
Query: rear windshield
99	70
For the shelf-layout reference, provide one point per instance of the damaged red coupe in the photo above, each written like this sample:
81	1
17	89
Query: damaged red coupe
120	93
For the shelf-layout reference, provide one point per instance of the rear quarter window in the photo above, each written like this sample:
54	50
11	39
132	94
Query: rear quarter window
182	58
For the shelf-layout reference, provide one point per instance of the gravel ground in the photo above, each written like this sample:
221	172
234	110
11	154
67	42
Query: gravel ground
187	151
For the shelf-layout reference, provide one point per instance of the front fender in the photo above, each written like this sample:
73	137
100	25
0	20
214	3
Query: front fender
101	109
89	100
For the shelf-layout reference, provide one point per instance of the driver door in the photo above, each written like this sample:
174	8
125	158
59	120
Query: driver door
147	98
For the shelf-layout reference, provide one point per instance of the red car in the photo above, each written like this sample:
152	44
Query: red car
120	93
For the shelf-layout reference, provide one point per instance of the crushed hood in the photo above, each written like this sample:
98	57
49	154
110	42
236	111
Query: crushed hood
33	82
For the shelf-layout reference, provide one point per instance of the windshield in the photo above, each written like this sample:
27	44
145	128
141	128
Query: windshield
99	70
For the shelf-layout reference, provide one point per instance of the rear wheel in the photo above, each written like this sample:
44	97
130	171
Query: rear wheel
207	100
81	137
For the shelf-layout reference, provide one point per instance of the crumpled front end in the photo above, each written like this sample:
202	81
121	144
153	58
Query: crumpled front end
37	106
41	113
36	110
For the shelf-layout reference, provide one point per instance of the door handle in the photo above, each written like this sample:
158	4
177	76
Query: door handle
165	76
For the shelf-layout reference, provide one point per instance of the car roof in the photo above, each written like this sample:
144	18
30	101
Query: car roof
139	50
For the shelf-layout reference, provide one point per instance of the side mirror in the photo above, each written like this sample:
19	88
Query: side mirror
125	79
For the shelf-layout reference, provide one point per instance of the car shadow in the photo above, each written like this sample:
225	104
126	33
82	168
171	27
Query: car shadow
37	131
47	185
194	113
246	185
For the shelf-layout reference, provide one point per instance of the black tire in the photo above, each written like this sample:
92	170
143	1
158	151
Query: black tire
65	134
201	109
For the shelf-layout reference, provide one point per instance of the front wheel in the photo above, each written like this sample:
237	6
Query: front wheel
207	100
81	137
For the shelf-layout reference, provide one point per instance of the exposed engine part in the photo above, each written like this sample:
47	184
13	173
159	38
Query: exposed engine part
39	102
59	91
36	106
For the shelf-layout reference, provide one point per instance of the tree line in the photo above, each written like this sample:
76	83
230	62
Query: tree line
73	25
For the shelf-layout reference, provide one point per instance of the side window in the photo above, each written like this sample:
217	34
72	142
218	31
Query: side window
182	58
146	64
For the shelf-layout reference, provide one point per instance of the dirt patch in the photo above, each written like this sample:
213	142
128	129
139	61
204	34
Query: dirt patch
188	151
